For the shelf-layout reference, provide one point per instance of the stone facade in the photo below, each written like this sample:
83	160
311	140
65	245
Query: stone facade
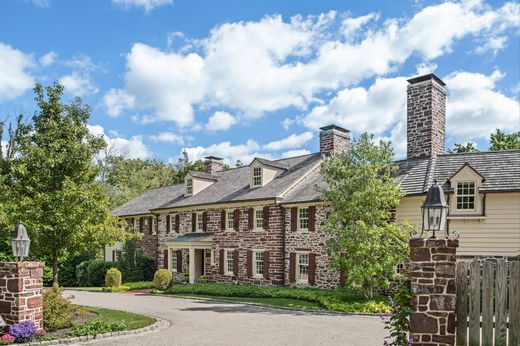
21	287
213	164
334	140
426	117
433	265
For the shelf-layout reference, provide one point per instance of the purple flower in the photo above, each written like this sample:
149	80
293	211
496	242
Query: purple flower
23	331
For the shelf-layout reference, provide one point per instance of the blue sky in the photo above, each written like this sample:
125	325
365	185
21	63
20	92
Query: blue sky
240	79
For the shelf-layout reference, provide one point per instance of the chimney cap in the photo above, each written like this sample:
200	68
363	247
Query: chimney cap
214	158
333	127
425	78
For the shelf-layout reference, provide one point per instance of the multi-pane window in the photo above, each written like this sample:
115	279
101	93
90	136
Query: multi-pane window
230	220
229	262
136	225
259	218
117	255
303	267
173	261
399	269
189	186
303	219
466	195
259	263
173	225
257	176
200	222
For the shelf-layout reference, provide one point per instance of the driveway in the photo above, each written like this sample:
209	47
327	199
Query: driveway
202	322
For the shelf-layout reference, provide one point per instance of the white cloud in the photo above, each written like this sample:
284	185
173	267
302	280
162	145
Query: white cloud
14	66
78	84
293	141
293	153
116	100
48	59
220	121
147	5
132	148
167	137
287	122
41	3
493	44
231	153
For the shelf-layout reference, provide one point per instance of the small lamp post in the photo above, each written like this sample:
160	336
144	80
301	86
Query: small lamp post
434	211
20	242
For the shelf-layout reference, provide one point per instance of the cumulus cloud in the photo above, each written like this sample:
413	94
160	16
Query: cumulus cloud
146	5
167	137
48	59
231	153
14	69
293	141
78	84
116	100
131	148
220	121
293	153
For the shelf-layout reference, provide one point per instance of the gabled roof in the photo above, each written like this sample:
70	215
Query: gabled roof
464	166
270	163
150	199
203	175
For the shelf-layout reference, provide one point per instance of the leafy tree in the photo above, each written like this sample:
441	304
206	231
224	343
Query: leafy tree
503	141
469	147
239	163
363	240
184	165
51	183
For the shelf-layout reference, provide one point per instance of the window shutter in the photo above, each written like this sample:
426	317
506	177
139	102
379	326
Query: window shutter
179	261
249	263
204	221
292	267
193	222
150	228
294	219
223	220
141	224
235	262
113	255
265	221
250	220
266	264
165	262
342	277
312	269
236	219
177	222
221	262
168	222
312	218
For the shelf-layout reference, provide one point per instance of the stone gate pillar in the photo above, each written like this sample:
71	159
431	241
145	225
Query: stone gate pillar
21	288
432	266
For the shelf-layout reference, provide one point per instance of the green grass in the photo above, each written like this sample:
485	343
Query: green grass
89	289
141	285
339	300
132	321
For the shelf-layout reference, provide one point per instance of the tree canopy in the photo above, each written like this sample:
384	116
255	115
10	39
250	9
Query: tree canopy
499	141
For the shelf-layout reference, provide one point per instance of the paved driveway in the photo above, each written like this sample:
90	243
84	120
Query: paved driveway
202	322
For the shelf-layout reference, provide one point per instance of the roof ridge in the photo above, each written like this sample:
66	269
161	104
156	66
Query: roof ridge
430	172
481	152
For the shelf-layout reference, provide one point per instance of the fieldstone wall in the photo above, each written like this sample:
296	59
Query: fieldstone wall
333	141
432	265
21	286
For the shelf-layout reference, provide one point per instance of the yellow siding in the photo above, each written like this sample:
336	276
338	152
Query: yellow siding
496	235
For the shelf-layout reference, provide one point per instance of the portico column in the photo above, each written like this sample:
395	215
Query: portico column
192	265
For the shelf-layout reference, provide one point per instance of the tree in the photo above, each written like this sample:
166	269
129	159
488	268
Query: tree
184	165
363	240
51	182
468	147
502	141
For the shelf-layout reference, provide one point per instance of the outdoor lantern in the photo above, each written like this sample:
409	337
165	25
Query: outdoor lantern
20	242
434	210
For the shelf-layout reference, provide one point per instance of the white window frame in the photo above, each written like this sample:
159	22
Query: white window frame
227	253
199	222
256	274
474	195
173	255
260	176
189	186
256	220
136	224
154	231
300	228
117	253
298	267
173	222
229	227
399	269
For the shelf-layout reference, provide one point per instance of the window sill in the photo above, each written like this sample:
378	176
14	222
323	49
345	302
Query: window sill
258	276
467	217
258	230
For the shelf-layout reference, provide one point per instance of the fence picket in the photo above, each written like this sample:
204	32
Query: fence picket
474	303
514	304
501	304
462	303
487	303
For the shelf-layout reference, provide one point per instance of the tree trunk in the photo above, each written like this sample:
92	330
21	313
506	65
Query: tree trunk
55	270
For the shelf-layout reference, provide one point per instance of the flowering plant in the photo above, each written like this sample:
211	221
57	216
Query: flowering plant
23	331
40	332
6	339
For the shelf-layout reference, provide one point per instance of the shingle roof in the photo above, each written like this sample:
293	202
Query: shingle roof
148	200
204	175
275	164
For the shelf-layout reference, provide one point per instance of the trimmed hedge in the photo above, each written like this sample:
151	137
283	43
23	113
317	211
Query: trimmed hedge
340	300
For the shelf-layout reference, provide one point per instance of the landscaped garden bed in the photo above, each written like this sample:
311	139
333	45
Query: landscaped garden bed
340	300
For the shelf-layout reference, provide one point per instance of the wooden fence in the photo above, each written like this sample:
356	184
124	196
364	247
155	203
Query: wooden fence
488	303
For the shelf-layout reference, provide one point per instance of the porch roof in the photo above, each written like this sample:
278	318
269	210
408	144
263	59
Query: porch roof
191	240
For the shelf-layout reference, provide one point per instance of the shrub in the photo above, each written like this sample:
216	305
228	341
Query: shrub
68	277
82	274
113	278
7	339
398	323
145	268
162	279
58	311
92	273
116	289
96	327
23	331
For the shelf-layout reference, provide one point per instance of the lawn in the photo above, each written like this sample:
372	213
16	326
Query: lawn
141	285
339	300
132	321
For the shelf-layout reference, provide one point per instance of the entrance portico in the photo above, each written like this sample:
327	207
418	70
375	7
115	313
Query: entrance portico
197	244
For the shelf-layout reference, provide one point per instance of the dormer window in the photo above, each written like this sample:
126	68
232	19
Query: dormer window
257	176
189	186
466	195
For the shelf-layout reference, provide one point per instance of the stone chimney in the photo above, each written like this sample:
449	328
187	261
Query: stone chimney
334	140
426	116
213	164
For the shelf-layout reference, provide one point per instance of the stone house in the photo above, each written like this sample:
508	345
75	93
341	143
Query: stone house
264	223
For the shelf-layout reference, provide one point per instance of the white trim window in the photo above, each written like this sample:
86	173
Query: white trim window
173	260
399	269
173	220
229	259
303	219
154	231
259	218
116	255
200	222
302	267
466	192
136	225
230	220
189	186
257	176
258	263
